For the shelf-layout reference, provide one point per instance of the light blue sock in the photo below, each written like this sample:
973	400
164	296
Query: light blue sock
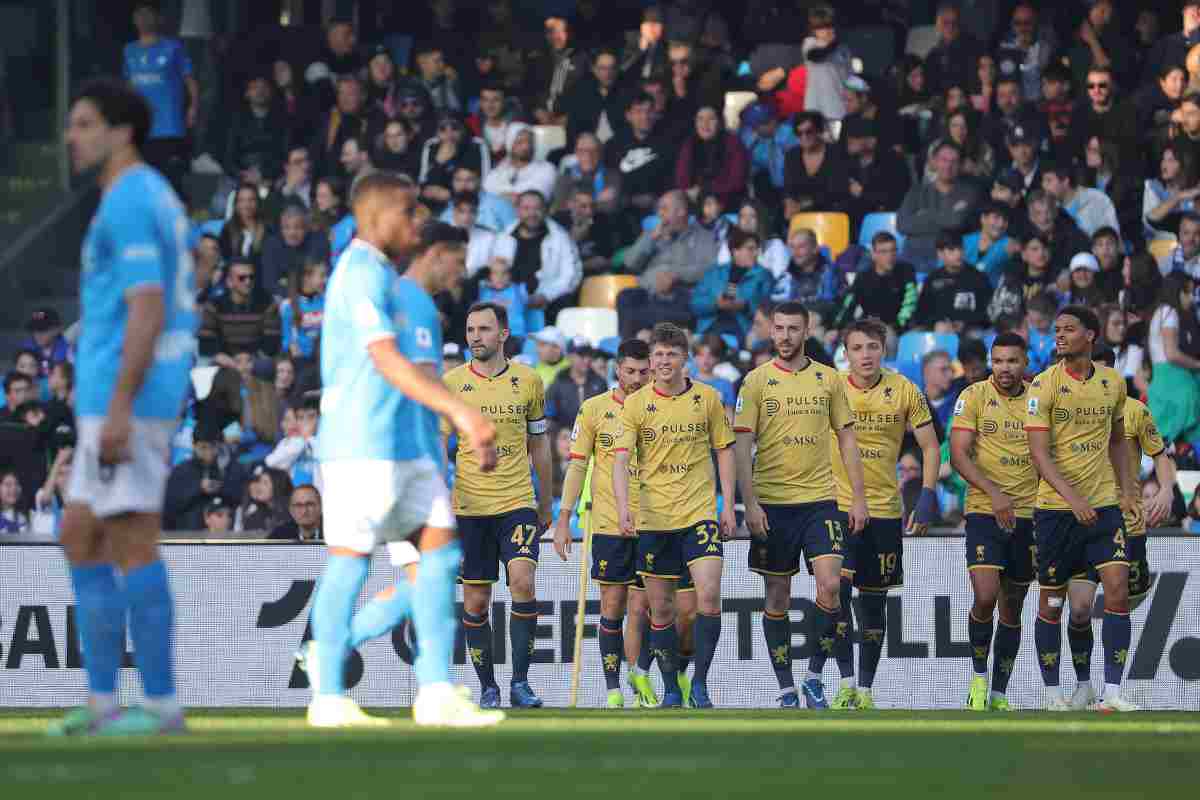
333	608
152	627
381	615
100	615
433	613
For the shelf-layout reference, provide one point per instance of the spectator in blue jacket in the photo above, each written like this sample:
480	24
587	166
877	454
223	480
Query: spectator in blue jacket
725	298
990	249
810	278
767	142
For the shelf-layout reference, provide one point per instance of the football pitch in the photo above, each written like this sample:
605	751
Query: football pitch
558	754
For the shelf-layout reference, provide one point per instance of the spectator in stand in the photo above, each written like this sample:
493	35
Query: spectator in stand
937	373
295	186
1025	51
1106	247
809	277
546	261
874	182
594	105
196	481
551	354
245	233
218	516
1027	278
1089	208
955	54
1022	151
712	160
1057	107
725	298
481	241
46	338
60	407
990	249
27	363
498	287
159	68
670	259
1054	227
641	157
348	118
1105	115
328	203
1008	114
305	525
520	172
592	231
1099	43
287	251
244	318
18	390
443	154
573	385
435	78
587	170
416	110
955	296
767	143
1103	170
708	352
493	120
553	72
828	63
1174	395
815	174
1037	329
977	160
395	150
1157	101
495	211
264	505
1186	257
295	101
355	159
284	381
46	518
340	56
259	426
1172	194
295	454
381	83
944	205
1077	286
887	291
301	314
773	254
645	51
209	275
1128	355
14	518
257	132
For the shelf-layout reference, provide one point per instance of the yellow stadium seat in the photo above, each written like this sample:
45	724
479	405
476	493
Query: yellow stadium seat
831	227
600	291
1161	248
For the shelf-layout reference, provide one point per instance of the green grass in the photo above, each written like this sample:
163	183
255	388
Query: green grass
556	755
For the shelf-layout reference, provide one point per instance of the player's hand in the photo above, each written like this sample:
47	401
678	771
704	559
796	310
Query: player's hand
1158	508
924	513
562	536
756	521
480	433
114	437
627	526
728	523
1084	512
1002	506
859	516
546	516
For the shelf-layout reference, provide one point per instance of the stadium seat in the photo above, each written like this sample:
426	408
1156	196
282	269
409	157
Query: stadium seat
875	45
212	227
600	291
609	344
921	39
548	138
593	324
1187	480
915	345
735	103
879	221
1161	248
832	229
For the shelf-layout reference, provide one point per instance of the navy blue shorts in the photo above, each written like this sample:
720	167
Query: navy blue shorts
874	558
1066	548
685	583
614	559
1139	568
991	547
811	530
667	554
486	541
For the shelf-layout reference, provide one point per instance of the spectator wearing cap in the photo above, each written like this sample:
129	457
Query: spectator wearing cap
495	212
46	338
257	132
586	170
244	318
886	290
594	104
1026	49
592	230
955	296
643	160
573	385
1022	145
956	53
712	159
725	298
218	516
1008	190
553	72
287	251
1099	42
767	142
1009	113
874	182
645	50
990	249
1089	208
497	286
815	174
551	354
436	79
1078	286
349	117
195	482
828	64
1106	114
452	147
305	524
416	108
520	172
946	204
1174	47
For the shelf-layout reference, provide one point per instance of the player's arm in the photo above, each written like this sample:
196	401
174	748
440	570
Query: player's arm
931	464
627	441
572	486
1158	507
539	453
756	518
852	461
1039	451
1122	462
727	474
961	442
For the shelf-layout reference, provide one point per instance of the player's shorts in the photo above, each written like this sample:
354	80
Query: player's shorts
614	559
486	541
991	547
1139	568
370	502
685	583
1066	548
811	530
874	559
667	554
136	485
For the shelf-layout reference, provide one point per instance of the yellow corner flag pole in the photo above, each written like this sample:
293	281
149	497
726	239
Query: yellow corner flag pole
585	557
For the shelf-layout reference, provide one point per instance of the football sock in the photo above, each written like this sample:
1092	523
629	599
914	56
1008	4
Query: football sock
664	642
778	633
708	633
683	662
381	614
645	655
100	616
843	647
333	609
980	634
478	630
433	613
612	645
1081	639
1008	642
521	623
1047	637
152	628
1115	635
823	633
874	626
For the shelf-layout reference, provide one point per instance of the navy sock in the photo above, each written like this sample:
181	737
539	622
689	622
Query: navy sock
521	623
478	630
823	633
1006	646
980	635
778	633
683	662
874	626
646	654
612	645
664	642
1081	640
1115	634
843	643
100	615
152	627
1047	637
708	633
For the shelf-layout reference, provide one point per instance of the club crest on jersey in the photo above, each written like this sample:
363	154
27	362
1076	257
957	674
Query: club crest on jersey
516	383
819	376
887	393
1033	405
992	403
696	400
1064	390
652	408
609	415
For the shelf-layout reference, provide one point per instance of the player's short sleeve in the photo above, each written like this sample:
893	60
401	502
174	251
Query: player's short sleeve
535	414
631	423
839	407
368	294
419	341
918	409
583	435
1148	435
719	432
746	409
138	249
966	411
1039	407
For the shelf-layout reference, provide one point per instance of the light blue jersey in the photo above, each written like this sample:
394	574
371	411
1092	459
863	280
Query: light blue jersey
362	415
158	72
138	238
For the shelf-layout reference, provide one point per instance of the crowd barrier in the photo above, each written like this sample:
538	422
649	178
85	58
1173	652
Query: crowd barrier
242	611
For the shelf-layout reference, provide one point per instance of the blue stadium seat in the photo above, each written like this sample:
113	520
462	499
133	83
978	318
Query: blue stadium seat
212	227
879	221
609	344
914	346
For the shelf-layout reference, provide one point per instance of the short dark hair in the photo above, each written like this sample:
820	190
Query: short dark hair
934	355
532	193
1106	231
670	335
1059	168
493	86
791	308
882	237
1042	303
119	104
871	327
309	487
714	343
500	311
949	241
467	198
15	377
638	98
633	348
739	237
1010	339
947	143
1085	315
605	51
68	371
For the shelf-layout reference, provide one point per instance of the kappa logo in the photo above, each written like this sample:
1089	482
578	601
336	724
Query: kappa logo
819	376
772	382
1104	384
1064	390
992	403
466	387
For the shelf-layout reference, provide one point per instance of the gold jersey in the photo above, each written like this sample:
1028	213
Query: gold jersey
1143	437
595	437
1079	413
1001	448
514	400
792	414
881	414
671	437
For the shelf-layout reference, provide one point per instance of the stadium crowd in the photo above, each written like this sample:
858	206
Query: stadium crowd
1024	162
